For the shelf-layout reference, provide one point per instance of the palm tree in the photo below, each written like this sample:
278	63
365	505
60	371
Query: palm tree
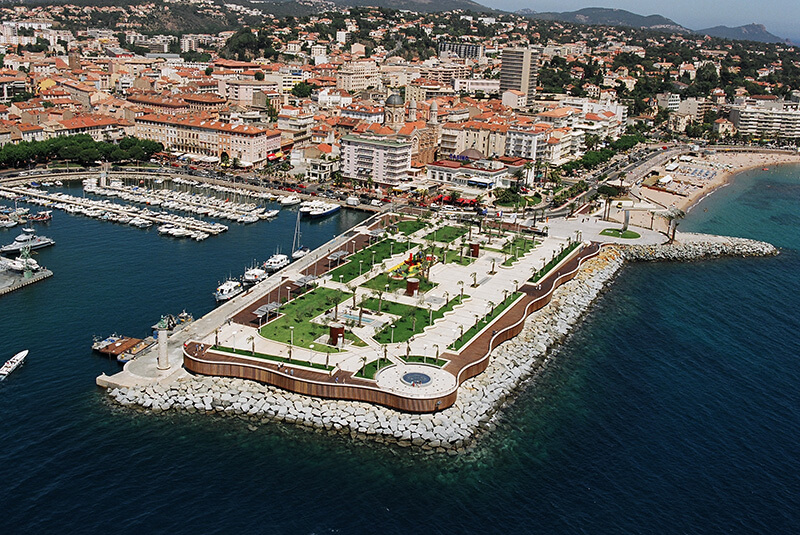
251	339
672	216
352	288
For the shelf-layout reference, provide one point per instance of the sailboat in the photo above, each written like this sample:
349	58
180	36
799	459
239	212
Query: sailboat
298	251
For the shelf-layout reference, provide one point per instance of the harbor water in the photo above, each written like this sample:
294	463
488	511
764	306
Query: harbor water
673	408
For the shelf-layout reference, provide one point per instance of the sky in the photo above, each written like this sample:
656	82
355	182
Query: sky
781	17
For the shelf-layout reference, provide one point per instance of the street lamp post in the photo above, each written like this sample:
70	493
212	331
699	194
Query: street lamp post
430	314
291	335
360	263
311	347
288	293
392	337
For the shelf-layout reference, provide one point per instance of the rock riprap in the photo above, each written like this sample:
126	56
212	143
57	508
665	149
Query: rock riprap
454	429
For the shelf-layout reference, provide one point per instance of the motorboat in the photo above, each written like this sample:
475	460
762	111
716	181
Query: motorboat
254	275
12	364
29	239
8	223
21	265
326	210
291	200
228	290
269	214
276	262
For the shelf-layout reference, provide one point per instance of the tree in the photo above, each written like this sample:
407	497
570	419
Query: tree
259	75
303	89
209	70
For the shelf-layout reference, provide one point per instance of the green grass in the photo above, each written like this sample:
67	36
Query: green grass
410	227
447	234
372	368
274	358
550	265
527	201
617	233
380	282
299	312
483	322
519	243
349	270
422	359
405	325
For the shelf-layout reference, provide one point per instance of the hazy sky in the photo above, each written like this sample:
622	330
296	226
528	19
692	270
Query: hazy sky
781	17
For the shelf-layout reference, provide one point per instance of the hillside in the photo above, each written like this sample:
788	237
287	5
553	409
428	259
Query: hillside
424	6
749	32
608	17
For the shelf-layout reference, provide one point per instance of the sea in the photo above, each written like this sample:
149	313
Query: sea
672	408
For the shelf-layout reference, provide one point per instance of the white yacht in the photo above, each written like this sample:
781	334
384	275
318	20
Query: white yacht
254	275
269	214
12	364
276	262
298	250
291	200
228	290
28	238
21	264
325	210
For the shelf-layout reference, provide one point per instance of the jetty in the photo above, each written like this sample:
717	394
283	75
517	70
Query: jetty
22	281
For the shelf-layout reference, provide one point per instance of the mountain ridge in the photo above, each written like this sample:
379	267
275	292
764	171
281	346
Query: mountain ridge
620	17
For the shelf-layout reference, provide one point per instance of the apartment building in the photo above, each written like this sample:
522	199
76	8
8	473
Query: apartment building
358	75
383	161
519	71
251	145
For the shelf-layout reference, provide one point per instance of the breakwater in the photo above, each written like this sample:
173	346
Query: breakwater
455	429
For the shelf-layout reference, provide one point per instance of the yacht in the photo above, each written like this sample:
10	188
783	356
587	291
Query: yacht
276	262
21	265
291	200
326	210
8	223
12	364
228	290
298	250
269	214
28	238
254	275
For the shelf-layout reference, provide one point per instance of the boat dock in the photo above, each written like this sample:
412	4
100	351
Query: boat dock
51	199
21	282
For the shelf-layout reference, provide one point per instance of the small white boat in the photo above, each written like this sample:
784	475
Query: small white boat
21	265
269	214
12	364
254	275
228	290
276	262
291	200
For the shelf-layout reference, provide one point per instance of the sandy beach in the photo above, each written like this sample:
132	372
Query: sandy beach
694	179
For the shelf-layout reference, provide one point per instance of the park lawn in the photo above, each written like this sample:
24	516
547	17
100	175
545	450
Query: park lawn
383	250
380	282
371	368
274	358
422	359
410	227
617	233
521	244
521	201
447	234
298	313
550	265
483	322
405	326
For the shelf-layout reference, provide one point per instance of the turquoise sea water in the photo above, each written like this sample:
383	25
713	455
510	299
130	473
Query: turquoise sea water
673	408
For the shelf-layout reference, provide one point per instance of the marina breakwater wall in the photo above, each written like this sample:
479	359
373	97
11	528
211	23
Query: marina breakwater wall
455	429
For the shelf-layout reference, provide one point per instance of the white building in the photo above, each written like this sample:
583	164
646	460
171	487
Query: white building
374	158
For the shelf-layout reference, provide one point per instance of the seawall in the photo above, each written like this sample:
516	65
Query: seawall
456	428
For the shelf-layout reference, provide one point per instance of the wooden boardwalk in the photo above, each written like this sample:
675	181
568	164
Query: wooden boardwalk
469	362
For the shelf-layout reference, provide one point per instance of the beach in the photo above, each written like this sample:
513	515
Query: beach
695	178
